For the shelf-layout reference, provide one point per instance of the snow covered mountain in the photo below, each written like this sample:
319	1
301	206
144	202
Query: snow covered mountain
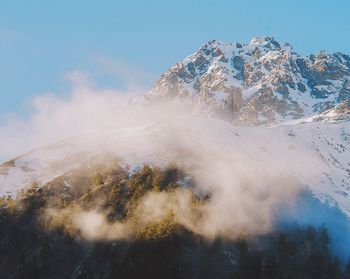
262	82
281	105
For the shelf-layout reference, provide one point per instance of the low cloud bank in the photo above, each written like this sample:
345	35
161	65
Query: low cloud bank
249	172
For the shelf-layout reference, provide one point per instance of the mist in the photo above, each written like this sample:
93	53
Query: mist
249	172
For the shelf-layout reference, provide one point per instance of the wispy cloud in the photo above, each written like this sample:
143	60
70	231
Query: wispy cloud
57	116
245	179
133	76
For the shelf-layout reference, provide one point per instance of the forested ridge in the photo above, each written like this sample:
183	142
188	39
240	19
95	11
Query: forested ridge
36	246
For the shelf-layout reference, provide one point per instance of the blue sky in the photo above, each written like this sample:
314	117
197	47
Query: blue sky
115	41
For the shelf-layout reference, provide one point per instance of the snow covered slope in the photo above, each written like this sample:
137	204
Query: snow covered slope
316	153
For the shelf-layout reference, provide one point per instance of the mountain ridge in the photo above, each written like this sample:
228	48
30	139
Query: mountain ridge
268	124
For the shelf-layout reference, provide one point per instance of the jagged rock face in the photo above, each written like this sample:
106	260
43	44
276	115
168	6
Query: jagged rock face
262	82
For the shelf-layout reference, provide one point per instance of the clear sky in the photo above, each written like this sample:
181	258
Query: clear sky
40	41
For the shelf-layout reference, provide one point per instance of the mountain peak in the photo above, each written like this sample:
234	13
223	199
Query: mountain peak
260	83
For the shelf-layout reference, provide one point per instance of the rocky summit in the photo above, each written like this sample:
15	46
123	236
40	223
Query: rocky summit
263	82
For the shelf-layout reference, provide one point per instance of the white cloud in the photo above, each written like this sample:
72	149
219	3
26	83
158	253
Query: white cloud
246	181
